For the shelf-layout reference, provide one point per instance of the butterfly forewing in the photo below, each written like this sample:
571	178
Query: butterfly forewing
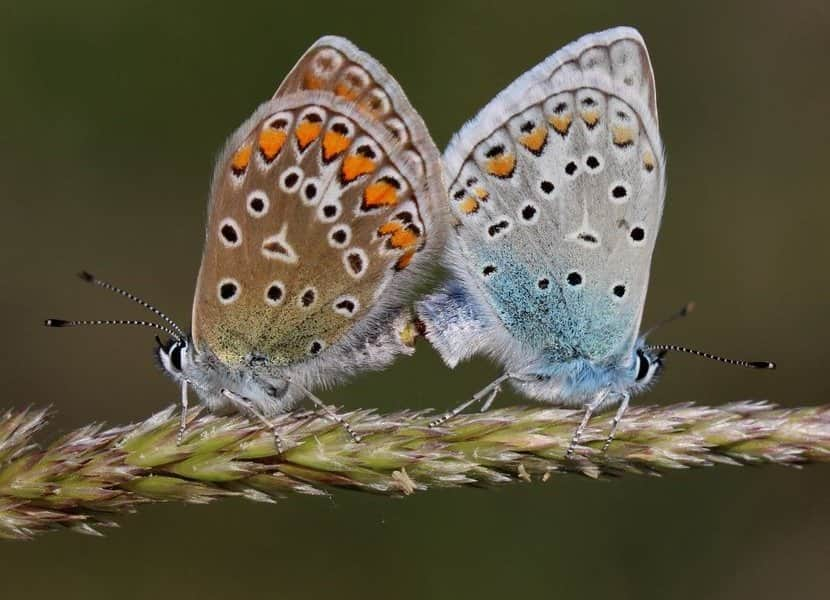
557	191
321	211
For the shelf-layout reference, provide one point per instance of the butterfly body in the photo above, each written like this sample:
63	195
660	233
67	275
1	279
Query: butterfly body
556	190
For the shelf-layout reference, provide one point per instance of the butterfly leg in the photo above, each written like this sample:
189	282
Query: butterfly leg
489	392
617	418
328	411
245	407
589	410
183	408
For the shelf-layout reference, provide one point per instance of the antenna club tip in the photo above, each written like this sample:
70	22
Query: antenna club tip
763	364
86	276
55	323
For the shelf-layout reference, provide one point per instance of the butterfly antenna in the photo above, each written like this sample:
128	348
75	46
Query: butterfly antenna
90	278
751	364
136	323
687	308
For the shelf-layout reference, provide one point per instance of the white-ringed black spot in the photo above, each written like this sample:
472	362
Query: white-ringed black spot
592	162
229	233
637	234
543	283
356	262
340	236
315	347
574	278
310	191
546	186
274	293
257	204
346	306
488	270
529	213
498	228
330	211
228	290
618	193
290	179
618	290
571	168
307	298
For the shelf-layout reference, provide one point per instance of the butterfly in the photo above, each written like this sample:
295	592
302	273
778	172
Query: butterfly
556	190
326	206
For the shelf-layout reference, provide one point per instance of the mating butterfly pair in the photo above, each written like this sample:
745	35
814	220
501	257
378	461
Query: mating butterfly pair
332	200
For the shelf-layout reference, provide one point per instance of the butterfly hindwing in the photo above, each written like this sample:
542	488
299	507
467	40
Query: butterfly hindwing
322	210
556	189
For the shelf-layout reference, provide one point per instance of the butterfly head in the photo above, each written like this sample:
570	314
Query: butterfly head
648	363
174	356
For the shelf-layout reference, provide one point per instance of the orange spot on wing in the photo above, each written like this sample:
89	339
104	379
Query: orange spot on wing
403	238
307	132
591	118
380	193
403	261
333	144
344	90
481	194
648	161
622	136
312	82
389	227
468	205
270	142
354	166
561	123
501	165
535	140
240	160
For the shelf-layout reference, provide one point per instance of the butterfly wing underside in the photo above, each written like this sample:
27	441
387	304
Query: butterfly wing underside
556	190
321	213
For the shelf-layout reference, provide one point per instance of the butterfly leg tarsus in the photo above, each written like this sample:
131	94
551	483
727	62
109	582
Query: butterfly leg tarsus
491	389
326	410
245	407
589	410
616	421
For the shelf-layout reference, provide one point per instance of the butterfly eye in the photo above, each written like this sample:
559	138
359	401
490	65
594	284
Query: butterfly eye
643	366
176	356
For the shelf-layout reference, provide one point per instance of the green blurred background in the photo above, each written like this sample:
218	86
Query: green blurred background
112	114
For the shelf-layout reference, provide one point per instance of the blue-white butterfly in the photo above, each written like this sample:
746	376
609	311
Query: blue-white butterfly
556	189
325	209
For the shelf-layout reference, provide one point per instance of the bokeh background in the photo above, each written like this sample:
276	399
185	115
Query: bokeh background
111	115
